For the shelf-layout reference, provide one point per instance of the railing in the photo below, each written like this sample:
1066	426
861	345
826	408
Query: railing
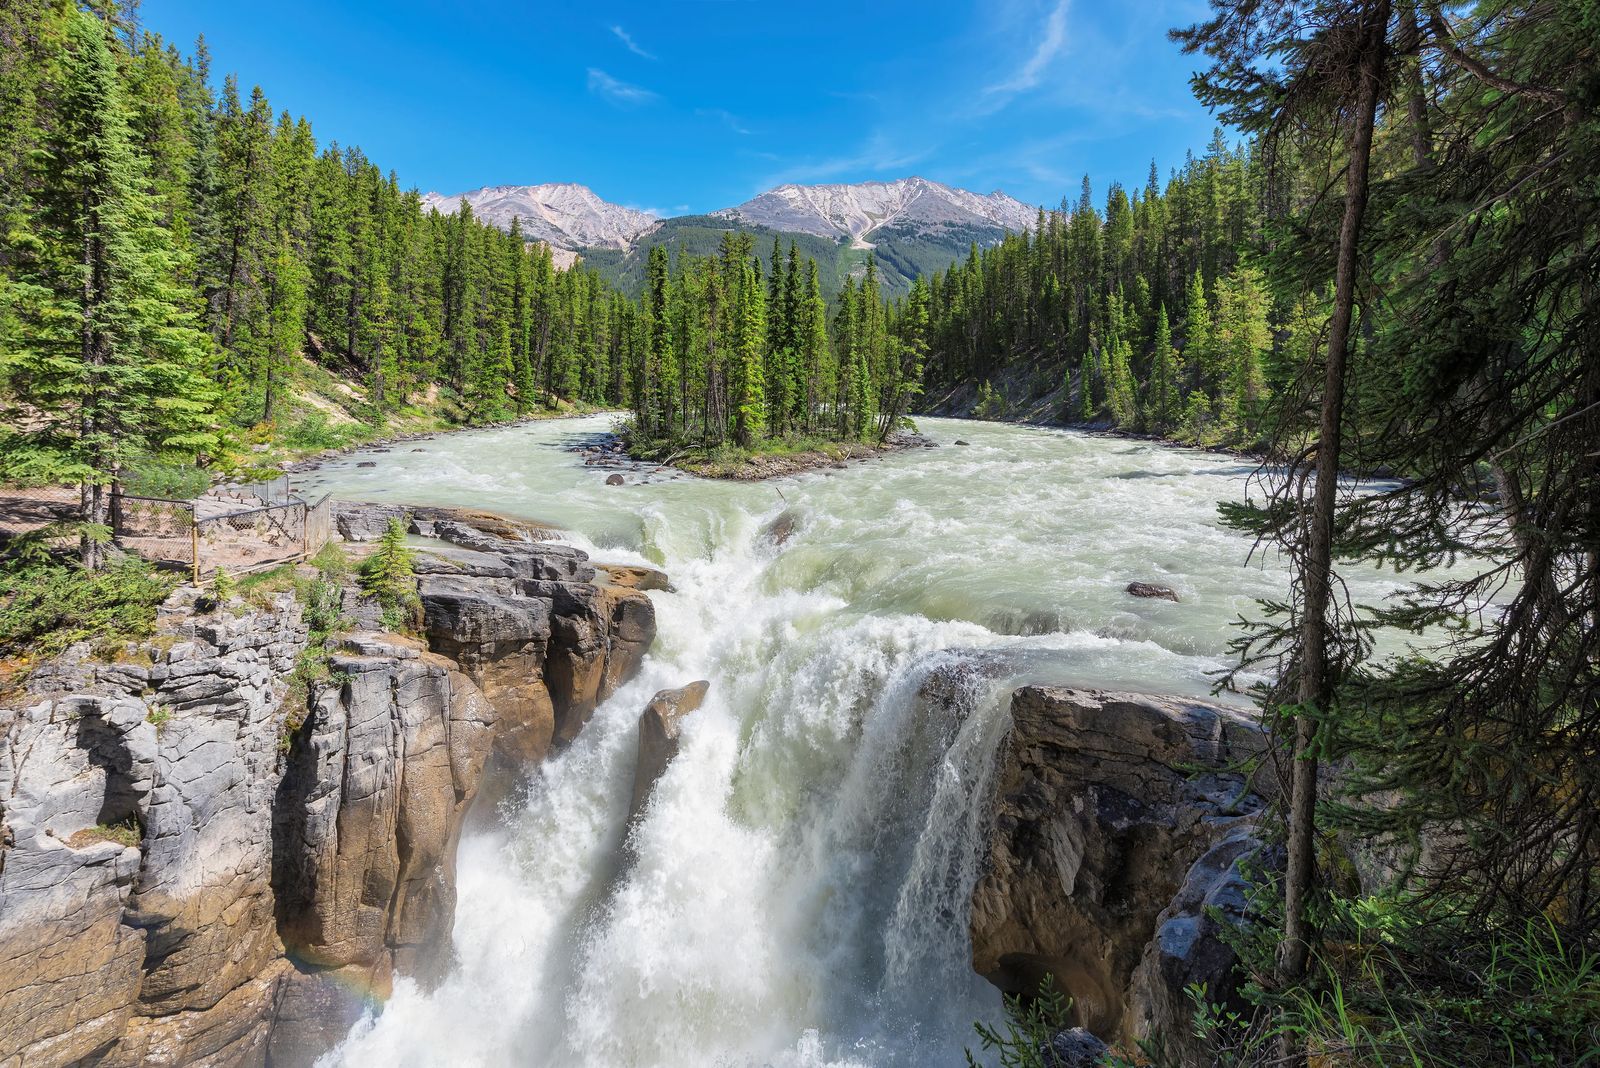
204	536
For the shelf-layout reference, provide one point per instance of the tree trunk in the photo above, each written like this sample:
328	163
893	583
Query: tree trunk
1316	678
92	495
1416	98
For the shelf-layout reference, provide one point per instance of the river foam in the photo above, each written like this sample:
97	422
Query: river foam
797	891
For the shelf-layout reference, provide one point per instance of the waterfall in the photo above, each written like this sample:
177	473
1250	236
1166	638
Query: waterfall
797	892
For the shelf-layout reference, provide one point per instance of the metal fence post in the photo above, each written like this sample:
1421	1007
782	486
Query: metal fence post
194	541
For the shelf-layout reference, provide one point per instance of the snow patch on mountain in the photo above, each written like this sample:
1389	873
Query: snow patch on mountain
564	215
857	210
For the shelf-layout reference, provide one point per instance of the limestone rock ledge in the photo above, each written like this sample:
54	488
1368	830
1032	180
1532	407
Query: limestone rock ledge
200	860
1117	819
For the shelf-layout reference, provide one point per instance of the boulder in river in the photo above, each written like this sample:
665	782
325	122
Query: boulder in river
658	738
782	527
636	577
615	480
1152	589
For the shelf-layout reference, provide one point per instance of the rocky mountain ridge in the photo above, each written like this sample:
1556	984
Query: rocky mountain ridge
857	210
573	219
564	215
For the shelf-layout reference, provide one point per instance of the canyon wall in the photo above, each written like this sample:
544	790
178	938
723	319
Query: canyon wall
1123	836
209	858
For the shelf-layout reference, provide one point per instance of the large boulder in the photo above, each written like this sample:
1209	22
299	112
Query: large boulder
1104	802
658	738
364	522
635	577
1191	949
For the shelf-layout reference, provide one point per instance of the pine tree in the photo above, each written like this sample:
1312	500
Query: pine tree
1241	340
104	362
1166	375
750	341
1199	350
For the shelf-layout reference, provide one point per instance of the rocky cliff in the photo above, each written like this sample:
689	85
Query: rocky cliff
206	857
1123	834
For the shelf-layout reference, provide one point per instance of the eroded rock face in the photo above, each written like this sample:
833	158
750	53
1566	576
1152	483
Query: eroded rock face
1104	802
658	738
69	965
532	626
1189	947
198	868
134	951
369	806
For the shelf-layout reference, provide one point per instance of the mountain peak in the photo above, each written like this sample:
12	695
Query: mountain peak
855	210
564	215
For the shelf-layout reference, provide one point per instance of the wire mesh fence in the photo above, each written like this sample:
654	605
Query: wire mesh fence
155	528
240	529
25	509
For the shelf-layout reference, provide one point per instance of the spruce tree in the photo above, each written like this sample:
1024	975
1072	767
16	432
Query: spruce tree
104	361
1166	374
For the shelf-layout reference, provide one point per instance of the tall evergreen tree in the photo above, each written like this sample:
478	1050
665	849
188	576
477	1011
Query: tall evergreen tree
104	359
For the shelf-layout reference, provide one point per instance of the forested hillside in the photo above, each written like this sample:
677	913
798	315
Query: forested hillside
174	251
1149	311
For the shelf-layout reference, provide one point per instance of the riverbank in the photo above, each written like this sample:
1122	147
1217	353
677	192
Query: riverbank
384	443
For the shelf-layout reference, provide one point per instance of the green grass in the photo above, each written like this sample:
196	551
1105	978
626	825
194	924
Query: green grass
126	834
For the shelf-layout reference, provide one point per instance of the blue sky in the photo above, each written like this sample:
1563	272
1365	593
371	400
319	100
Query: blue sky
692	105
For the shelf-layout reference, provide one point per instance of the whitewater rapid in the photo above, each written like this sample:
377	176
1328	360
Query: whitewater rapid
798	889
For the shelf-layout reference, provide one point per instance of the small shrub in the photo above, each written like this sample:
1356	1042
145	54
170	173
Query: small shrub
223	588
991	404
49	603
313	433
1023	1041
158	717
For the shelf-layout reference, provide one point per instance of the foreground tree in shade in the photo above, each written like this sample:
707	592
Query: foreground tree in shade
1279	67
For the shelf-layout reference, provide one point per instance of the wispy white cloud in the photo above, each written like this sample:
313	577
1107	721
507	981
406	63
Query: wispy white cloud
877	158
620	93
633	46
1052	39
727	118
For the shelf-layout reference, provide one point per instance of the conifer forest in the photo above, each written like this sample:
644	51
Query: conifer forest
1295	442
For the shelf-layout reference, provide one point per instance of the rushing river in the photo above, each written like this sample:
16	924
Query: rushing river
798	893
